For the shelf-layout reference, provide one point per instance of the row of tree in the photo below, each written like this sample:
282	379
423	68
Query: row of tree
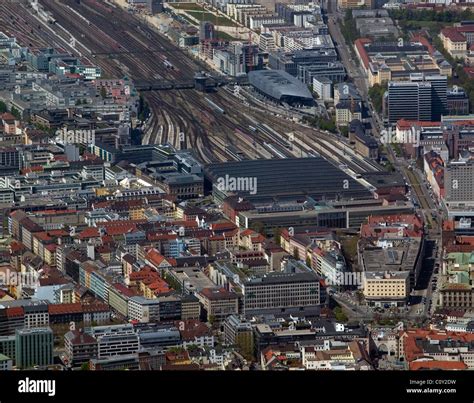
15	112
431	15
349	28
376	94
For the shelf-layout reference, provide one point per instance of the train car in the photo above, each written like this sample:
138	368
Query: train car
274	150
276	137
214	106
168	65
234	152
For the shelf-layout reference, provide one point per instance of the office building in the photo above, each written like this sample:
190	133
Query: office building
152	338
34	347
459	182
80	347
155	6
218	303
422	98
6	363
457	102
387	288
36	315
323	86
143	309
8	346
115	340
282	293
349	4
409	100
127	362
439	88
239	333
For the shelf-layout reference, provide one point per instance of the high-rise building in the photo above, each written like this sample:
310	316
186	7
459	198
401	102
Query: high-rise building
409	100
10	157
459	182
206	31
439	88
457	101
155	6
34	347
422	98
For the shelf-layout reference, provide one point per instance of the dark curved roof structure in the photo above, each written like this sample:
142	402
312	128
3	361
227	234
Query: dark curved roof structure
281	86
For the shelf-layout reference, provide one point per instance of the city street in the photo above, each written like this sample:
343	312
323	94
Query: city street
420	300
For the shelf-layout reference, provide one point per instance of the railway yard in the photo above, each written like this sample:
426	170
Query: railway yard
218	126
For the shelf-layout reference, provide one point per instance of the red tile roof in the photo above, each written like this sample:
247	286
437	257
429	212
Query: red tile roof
123	289
404	124
453	34
60	309
16	247
425	42
360	45
91	232
445	365
220	226
469	71
155	257
15	312
96	307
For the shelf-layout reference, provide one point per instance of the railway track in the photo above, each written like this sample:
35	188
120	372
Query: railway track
122	44
183	112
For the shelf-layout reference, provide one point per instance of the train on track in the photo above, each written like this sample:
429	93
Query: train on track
168	65
276	137
214	106
234	152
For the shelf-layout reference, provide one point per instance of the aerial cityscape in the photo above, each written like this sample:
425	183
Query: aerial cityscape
250	185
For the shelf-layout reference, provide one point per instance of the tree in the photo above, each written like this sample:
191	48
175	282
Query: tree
15	112
360	296
296	253
143	109
3	107
259	227
212	320
349	28
85	366
340	315
376	94
277	235
103	92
